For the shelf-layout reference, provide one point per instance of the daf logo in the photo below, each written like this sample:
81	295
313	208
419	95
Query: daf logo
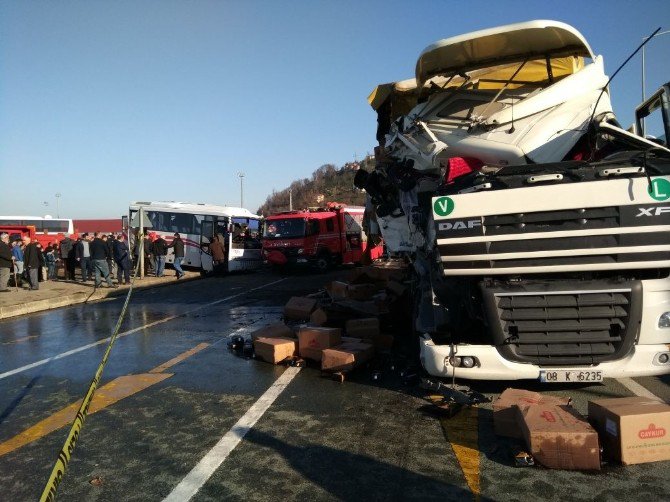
652	211
460	225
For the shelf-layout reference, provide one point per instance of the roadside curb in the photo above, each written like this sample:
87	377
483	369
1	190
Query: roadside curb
79	297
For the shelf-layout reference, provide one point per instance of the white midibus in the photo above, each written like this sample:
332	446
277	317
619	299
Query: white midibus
197	224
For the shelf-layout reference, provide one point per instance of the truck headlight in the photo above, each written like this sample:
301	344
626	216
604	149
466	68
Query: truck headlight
664	320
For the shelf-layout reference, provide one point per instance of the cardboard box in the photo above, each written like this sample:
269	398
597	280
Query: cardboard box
560	438
312	340
278	329
382	341
361	291
337	290
346	357
396	288
633	430
362	328
274	350
299	308
318	318
505	416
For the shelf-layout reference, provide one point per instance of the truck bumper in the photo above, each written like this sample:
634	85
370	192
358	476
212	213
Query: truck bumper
643	360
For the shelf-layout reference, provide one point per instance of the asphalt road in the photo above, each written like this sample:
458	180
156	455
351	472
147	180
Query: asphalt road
174	403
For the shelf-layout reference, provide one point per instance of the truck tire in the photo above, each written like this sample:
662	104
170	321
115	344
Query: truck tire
323	262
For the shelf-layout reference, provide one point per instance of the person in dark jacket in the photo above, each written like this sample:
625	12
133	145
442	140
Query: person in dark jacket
149	264
6	259
122	259
31	262
160	252
178	246
99	255
66	250
111	264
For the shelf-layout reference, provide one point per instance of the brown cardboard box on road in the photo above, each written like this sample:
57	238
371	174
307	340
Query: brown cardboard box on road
362	328
274	350
337	290
396	288
275	330
299	308
505	416
312	340
346	357
361	291
633	430
559	438
318	318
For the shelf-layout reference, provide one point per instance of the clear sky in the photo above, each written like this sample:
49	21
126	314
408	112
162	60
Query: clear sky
106	102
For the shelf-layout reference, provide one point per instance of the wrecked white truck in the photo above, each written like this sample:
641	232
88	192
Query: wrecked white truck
538	228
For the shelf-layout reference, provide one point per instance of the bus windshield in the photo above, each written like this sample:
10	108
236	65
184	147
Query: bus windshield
287	228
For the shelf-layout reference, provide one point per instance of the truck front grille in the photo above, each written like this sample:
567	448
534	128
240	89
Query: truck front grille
561	328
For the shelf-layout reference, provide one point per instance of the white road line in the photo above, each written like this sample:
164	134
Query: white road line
637	389
199	475
126	333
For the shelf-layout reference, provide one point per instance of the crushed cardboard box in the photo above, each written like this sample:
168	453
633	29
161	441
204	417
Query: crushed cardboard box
274	350
505	417
559	438
633	430
362	328
346	357
299	308
312	340
275	330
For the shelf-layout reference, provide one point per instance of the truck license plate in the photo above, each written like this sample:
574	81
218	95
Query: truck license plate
561	376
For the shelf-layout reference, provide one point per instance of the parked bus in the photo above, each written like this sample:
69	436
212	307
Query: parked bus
197	224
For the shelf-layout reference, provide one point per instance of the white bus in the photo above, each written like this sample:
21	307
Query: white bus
43	224
197	224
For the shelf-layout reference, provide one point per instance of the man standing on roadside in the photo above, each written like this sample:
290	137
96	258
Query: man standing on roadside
17	252
178	246
31	262
99	255
6	259
160	250
122	259
65	249
83	256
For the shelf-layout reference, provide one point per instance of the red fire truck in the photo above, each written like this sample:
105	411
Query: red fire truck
321	237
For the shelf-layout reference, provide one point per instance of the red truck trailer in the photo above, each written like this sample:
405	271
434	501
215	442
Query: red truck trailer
321	237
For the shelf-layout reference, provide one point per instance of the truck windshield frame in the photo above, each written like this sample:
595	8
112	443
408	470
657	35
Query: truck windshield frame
284	228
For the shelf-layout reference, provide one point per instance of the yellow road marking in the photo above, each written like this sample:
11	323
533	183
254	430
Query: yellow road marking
19	340
462	431
105	396
179	358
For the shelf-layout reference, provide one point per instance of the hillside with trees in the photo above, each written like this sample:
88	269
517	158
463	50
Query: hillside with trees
327	184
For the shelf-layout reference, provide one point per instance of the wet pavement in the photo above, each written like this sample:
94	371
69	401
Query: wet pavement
172	390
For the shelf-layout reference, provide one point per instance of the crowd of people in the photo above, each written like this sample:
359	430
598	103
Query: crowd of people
97	257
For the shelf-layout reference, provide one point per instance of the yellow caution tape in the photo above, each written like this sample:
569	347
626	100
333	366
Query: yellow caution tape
65	454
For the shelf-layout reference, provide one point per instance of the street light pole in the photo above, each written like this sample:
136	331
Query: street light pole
241	175
57	205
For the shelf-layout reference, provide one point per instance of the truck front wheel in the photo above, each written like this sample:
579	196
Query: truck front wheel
323	262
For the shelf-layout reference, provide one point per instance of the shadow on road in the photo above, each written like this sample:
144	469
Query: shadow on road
351	476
